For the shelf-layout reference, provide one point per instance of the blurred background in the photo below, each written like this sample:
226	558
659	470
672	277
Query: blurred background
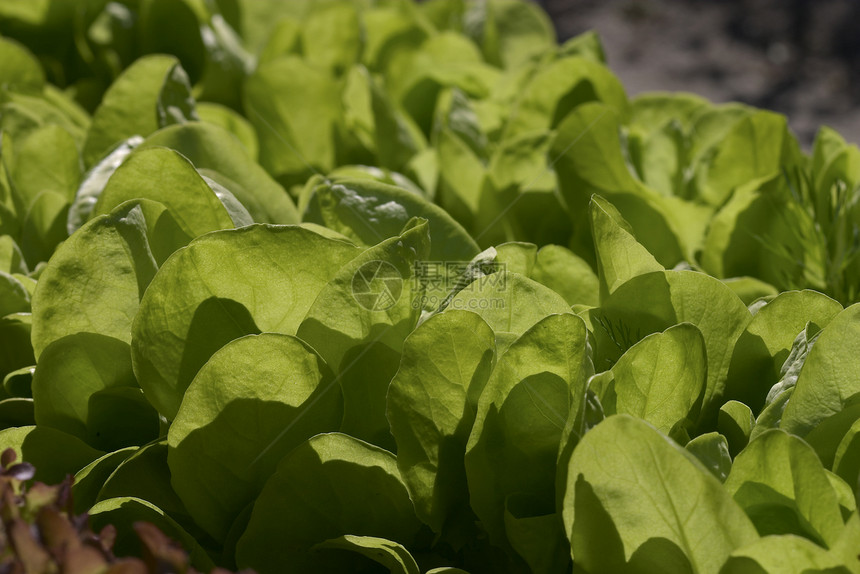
797	57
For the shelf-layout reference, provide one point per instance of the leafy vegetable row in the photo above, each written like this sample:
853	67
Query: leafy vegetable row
346	286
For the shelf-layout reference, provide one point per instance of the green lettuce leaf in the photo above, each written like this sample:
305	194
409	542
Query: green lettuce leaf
636	502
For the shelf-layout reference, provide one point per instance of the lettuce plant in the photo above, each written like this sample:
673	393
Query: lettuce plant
377	285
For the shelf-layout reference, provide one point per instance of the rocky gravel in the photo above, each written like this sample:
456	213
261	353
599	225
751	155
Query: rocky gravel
797	57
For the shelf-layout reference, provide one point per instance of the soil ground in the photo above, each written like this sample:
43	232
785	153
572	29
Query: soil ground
797	57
